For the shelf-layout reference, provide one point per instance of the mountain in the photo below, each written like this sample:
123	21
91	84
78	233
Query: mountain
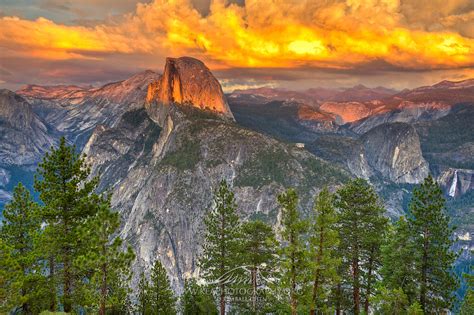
162	162
313	96
75	111
24	138
162	142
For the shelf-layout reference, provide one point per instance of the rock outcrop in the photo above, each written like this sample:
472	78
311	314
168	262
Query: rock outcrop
394	151
24	137
186	81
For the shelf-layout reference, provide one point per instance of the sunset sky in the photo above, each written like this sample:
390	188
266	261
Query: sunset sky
247	43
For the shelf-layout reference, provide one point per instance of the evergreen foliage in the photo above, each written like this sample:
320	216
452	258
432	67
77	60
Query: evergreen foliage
294	258
221	241
19	231
324	240
258	256
160	295
196	300
432	235
361	226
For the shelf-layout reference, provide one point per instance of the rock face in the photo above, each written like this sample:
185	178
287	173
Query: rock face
394	151
186	81
162	179
457	182
24	137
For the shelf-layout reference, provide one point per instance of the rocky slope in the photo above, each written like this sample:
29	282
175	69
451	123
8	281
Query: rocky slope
75	111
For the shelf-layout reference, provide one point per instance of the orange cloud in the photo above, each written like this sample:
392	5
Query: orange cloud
263	33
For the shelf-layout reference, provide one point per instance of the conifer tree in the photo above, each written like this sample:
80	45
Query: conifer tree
9	274
258	251
467	306
221	241
398	269
294	260
324	240
395	302
143	306
432	234
160	295
361	226
20	230
109	263
196	300
64	187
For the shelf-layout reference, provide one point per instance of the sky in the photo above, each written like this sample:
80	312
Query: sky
294	44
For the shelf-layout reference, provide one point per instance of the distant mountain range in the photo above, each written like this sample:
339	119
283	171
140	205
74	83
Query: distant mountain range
162	141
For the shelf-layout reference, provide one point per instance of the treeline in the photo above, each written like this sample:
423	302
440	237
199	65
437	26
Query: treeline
345	257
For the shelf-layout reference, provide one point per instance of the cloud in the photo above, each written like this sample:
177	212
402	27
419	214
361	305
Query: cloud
344	36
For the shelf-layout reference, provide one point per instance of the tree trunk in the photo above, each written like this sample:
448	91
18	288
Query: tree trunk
103	290
356	289
222	304
338	302
293	301
369	281
52	303
67	282
317	273
254	289
424	270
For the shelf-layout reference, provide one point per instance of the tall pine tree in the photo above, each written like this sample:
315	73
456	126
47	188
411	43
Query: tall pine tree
324	240
162	300
258	251
432	234
398	269
143	305
221	241
294	260
361	226
108	264
66	191
20	230
10	272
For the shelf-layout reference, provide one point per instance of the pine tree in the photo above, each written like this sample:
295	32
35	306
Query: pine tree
64	187
196	300
20	230
143	305
160	294
294	260
431	232
10	273
398	269
395	302
324	239
110	265
361	225
258	251
220	249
